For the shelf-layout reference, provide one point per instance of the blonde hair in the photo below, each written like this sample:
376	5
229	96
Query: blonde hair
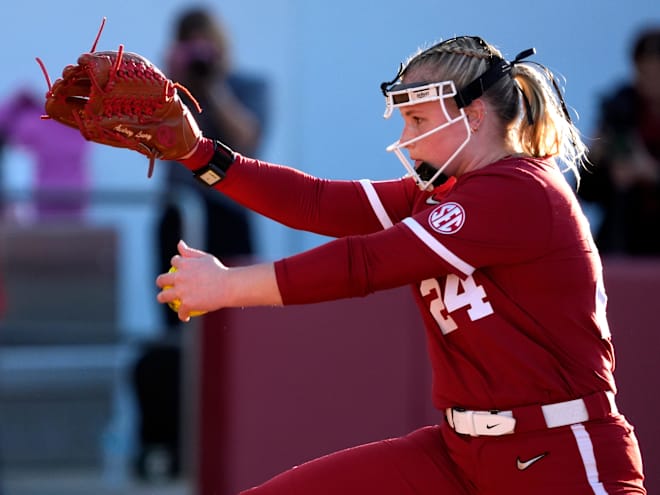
529	102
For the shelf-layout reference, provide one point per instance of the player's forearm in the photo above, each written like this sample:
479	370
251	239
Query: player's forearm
254	285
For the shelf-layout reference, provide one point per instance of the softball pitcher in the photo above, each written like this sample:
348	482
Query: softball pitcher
486	231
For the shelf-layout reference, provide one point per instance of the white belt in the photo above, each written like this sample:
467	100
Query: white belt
495	423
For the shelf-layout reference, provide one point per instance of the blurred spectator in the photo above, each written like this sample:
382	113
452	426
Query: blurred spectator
234	110
61	156
625	180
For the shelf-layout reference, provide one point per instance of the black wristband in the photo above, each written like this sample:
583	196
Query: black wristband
214	171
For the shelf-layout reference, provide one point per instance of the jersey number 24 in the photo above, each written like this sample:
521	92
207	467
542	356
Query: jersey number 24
456	294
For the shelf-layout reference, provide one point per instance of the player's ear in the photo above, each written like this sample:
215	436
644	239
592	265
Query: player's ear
475	112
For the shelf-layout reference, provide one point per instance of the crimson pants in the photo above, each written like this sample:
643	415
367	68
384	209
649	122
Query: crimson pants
599	457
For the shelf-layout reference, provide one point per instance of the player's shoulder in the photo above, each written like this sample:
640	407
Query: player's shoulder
515	164
513	172
514	183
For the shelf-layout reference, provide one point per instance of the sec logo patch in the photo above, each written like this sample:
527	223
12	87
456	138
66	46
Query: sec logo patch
448	218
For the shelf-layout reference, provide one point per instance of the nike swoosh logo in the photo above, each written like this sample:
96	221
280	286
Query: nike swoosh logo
431	201
490	427
522	465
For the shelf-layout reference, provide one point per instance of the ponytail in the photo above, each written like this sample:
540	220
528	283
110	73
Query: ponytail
549	130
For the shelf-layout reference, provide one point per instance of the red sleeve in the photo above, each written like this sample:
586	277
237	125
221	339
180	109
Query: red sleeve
356	266
298	200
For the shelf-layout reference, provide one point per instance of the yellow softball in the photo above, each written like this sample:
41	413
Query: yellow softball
174	305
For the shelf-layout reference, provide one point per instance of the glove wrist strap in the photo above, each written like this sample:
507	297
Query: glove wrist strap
214	171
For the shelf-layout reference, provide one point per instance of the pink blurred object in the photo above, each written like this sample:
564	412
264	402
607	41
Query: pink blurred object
61	156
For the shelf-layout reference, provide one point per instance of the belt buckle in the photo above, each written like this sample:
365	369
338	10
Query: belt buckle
480	423
493	423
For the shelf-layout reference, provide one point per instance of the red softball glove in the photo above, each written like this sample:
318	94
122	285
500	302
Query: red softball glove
121	99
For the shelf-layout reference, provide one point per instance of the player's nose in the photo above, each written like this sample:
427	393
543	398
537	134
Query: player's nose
406	135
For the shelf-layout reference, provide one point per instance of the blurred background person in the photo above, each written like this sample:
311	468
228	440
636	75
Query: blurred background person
624	182
234	108
61	178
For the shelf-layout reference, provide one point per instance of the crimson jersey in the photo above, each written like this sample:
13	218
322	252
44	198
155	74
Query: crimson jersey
501	262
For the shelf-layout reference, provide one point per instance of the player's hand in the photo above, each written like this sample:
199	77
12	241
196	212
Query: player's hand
197	282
